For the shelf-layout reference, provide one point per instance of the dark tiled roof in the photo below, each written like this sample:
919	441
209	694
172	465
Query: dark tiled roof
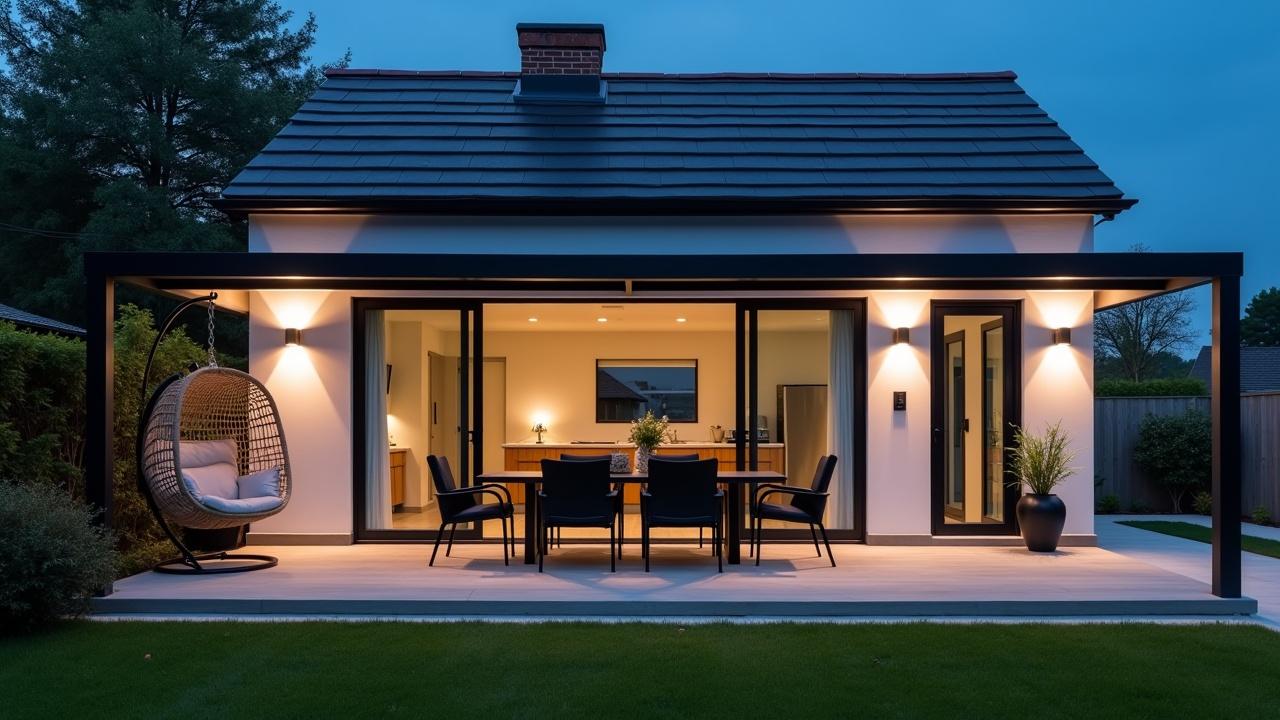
857	138
35	322
1259	368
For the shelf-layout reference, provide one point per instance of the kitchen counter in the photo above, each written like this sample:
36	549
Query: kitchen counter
624	445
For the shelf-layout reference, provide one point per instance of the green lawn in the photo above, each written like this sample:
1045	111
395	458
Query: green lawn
342	670
1191	531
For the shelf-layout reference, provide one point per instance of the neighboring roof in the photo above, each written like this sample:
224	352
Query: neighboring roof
457	141
1259	368
611	388
35	322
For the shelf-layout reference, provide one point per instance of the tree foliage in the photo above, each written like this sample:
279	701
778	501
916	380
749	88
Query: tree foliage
1261	324
1159	387
123	119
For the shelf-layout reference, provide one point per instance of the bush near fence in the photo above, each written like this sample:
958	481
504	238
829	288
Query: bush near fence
1117	421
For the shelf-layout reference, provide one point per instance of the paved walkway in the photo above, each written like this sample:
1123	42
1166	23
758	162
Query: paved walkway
1190	558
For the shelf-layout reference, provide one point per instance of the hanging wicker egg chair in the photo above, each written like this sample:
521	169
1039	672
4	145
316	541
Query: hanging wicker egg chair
211	455
212	407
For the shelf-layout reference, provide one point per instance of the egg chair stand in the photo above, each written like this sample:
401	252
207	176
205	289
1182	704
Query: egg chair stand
212	406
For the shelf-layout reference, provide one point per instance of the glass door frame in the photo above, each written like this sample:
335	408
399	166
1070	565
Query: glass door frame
470	409
747	402
1010	313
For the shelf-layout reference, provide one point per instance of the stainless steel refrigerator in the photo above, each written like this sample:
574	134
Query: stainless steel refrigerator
802	428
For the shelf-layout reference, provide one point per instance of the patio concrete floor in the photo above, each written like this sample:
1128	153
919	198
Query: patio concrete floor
871	581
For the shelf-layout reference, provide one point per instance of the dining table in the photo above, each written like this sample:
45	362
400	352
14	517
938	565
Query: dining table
733	480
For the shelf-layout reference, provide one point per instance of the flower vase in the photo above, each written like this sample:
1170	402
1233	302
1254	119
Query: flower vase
642	459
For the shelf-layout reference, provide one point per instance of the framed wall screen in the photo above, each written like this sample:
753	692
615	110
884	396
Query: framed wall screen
626	389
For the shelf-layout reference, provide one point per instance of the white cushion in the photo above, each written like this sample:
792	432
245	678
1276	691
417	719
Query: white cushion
206	452
216	480
242	506
264	483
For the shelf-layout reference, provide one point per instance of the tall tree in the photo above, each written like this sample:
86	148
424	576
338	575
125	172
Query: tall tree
1138	335
139	112
1261	324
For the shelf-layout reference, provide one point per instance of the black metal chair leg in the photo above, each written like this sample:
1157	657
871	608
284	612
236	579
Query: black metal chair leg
644	533
759	547
513	533
717	531
449	549
505	556
436	547
699	538
613	561
823	528
542	551
814	533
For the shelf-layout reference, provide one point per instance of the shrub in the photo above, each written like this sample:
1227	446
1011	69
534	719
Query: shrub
1202	503
54	557
1108	505
1175	451
1139	507
1261	515
1161	387
41	408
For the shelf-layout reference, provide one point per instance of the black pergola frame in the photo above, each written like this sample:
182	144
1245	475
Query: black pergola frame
1116	278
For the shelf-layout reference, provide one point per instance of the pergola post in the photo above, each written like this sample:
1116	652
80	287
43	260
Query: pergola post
99	455
1226	437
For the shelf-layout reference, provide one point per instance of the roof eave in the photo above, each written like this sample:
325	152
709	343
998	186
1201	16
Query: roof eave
676	206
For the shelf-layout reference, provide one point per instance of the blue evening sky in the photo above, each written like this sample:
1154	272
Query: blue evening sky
1176	100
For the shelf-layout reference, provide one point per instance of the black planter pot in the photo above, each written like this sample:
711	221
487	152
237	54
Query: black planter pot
1040	518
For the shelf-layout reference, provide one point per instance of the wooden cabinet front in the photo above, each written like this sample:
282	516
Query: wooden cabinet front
398	460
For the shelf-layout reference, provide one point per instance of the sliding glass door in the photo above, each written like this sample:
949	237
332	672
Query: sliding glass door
416	393
975	407
802	392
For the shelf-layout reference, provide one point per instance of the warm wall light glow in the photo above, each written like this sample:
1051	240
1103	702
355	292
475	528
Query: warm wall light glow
901	336
541	418
292	336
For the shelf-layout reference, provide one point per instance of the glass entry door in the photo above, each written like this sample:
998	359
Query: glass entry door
975	407
417	393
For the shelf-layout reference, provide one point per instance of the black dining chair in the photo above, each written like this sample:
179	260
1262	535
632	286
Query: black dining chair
463	505
579	457
684	457
682	493
807	506
576	494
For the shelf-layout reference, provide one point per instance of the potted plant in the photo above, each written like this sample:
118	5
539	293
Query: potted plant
647	433
1040	463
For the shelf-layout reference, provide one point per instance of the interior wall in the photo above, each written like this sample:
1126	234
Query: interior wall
552	375
788	358
407	404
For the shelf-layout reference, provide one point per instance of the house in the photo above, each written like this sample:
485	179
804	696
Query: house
921	245
1259	368
36	323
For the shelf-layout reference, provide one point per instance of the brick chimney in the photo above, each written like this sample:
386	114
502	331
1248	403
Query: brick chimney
560	62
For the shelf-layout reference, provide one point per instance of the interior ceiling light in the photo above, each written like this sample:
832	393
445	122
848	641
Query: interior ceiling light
602	319
680	320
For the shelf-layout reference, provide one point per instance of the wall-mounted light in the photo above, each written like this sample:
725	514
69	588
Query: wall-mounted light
901	336
292	336
1062	336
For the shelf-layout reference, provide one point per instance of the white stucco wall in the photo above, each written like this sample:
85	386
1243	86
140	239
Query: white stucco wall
312	383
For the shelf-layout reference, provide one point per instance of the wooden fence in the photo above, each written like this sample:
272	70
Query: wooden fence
1116	422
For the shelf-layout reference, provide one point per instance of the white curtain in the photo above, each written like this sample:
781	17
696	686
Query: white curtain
840	403
377	487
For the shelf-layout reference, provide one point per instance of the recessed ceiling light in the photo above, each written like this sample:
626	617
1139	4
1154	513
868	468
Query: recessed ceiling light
602	319
682	320
533	319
